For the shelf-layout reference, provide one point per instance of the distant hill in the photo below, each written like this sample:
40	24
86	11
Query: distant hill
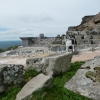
6	44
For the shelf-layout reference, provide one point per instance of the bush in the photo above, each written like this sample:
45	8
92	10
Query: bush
1	50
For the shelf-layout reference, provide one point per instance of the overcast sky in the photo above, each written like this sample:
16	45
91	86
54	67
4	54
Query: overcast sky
29	18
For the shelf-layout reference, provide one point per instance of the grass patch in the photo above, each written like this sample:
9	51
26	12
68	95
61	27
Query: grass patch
29	74
10	94
58	92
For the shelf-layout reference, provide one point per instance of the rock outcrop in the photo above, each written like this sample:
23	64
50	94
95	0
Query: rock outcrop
10	75
51	65
89	22
33	85
87	80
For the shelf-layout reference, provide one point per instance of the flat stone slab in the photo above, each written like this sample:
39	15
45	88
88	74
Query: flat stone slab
33	85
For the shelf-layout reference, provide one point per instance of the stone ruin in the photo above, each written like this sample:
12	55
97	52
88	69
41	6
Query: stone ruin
85	39
87	34
52	65
10	75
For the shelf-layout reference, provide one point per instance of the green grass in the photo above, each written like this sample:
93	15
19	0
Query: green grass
29	74
58	92
10	94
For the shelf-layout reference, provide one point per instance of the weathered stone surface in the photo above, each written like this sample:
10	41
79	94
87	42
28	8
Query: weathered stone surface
10	75
87	79
33	85
34	63
51	65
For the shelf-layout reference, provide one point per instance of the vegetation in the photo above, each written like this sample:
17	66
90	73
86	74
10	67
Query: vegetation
97	69
94	76
89	28
1	50
29	74
11	93
58	92
12	47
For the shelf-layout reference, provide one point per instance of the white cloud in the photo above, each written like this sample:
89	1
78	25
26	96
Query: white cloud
51	17
37	18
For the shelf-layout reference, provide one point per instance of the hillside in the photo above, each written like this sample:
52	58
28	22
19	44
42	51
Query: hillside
89	22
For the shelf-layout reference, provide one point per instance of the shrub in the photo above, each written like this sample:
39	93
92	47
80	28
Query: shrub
1	50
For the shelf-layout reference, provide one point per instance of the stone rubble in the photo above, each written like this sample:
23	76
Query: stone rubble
10	75
52	65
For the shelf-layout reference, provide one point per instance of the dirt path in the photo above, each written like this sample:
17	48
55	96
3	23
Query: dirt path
22	59
85	56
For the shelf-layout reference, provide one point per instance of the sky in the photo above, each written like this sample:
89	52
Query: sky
29	18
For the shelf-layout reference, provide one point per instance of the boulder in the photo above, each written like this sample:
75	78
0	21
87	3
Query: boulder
10	75
52	65
33	85
34	63
87	79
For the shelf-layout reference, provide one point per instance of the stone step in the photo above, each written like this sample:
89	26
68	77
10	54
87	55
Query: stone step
33	85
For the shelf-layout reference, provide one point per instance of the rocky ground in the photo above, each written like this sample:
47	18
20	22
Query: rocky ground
87	80
85	55
82	56
23	56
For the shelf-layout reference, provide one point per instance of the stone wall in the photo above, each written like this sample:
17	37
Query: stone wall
52	65
85	39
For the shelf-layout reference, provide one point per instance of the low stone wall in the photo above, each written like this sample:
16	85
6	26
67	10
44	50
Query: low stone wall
10	75
51	65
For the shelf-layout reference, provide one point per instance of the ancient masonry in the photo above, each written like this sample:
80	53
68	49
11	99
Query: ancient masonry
87	34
